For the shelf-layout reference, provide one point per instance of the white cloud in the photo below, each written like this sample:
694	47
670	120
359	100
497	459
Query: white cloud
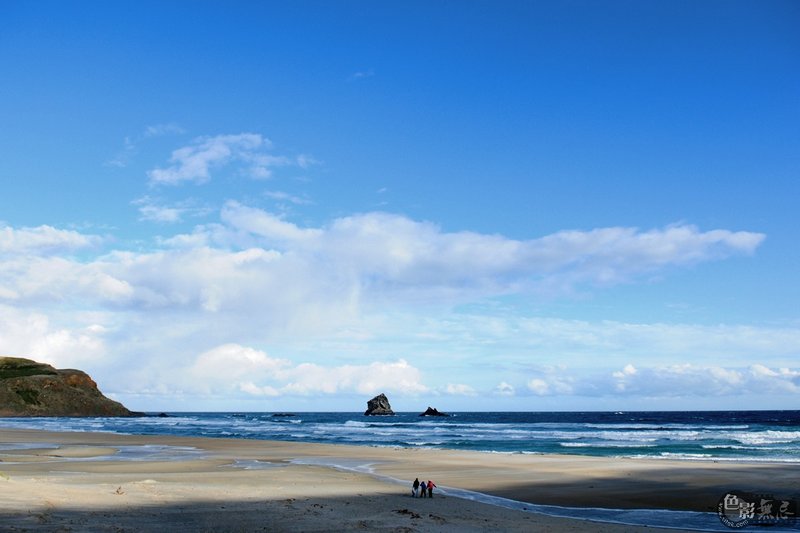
459	389
362	74
152	209
263	225
669	381
783	380
34	335
233	363
615	255
393	254
157	213
622	376
539	386
392	249
305	161
365	288
43	240
256	262
505	389
234	367
254	390
396	376
193	163
551	385
629	370
286	197
54	280
159	130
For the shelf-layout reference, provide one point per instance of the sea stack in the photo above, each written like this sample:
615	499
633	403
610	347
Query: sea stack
379	405
28	388
432	411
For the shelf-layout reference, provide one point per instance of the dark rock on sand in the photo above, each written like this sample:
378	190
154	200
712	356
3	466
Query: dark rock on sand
432	411
379	405
28	388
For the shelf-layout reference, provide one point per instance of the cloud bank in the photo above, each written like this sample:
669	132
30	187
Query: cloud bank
43	240
670	381
362	290
367	258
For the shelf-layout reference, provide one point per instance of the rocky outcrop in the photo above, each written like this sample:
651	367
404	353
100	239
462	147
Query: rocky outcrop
432	411
379	405
28	388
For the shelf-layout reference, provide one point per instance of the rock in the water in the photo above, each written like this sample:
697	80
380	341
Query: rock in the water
28	388
379	405
432	411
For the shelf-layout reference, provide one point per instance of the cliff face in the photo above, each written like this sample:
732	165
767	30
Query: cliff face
28	388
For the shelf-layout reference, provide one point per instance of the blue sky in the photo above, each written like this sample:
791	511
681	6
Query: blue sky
471	205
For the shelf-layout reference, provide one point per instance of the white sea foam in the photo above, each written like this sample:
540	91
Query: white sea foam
730	447
604	444
675	455
709	457
355	424
767	437
143	452
255	464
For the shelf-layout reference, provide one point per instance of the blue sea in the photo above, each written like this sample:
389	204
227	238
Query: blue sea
772	436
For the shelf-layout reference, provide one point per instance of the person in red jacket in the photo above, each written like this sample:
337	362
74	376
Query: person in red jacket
430	488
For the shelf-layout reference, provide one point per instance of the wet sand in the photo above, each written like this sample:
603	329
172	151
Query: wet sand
105	482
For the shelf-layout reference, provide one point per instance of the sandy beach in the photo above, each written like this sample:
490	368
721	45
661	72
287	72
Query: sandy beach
107	482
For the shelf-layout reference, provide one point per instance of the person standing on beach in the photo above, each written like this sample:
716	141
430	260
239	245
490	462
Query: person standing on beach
415	488
422	492
430	488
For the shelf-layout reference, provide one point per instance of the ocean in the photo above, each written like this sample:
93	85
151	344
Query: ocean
772	436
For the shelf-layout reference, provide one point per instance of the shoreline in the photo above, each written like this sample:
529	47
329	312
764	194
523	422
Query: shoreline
78	462
768	437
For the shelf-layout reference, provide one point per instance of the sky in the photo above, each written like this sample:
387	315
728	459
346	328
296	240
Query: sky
472	205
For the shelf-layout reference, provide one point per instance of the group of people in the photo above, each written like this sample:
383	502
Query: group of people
419	490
